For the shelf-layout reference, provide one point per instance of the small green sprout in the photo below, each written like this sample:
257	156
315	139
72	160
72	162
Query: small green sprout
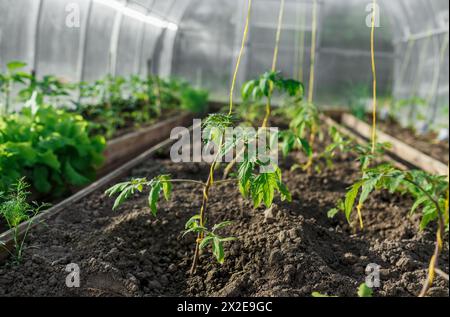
15	209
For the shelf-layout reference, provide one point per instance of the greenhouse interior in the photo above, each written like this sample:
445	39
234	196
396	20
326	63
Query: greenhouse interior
224	148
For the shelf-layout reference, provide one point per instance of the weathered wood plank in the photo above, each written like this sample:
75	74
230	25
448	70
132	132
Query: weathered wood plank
399	148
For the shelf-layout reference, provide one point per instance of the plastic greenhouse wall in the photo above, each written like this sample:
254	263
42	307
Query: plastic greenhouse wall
411	45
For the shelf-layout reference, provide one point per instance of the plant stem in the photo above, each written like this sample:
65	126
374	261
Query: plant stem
233	83
312	140
439	244
434	259
361	222
274	63
203	208
313	53
241	52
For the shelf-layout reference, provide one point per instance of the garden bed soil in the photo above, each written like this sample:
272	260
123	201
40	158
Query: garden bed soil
291	250
426	143
131	126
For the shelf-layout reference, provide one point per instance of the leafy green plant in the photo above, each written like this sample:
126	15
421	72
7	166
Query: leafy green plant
49	86
15	209
304	127
12	76
263	89
132	102
428	191
260	187
50	147
194	100
265	86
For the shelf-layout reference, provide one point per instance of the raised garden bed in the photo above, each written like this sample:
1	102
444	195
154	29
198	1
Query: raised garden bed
127	146
401	148
291	250
426	142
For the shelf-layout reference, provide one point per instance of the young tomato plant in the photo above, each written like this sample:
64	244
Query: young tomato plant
15	209
262	89
304	127
49	86
260	187
429	192
12	76
304	117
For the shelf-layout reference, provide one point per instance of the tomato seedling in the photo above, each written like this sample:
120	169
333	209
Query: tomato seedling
261	188
429	192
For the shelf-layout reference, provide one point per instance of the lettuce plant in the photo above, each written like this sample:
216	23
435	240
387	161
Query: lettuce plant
51	147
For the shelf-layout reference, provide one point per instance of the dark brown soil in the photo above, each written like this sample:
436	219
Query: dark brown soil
425	143
292	250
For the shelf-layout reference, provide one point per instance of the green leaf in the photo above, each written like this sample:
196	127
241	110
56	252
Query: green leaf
14	65
207	240
117	188
333	212
305	146
268	189
50	159
418	202
166	186
218	250
264	87
222	225
244	175
429	214
288	142
40	179
154	196
365	291
284	191
350	199
73	176
367	187
124	195
247	89
193	220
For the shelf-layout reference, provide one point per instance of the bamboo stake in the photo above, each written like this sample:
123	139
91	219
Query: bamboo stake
274	62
